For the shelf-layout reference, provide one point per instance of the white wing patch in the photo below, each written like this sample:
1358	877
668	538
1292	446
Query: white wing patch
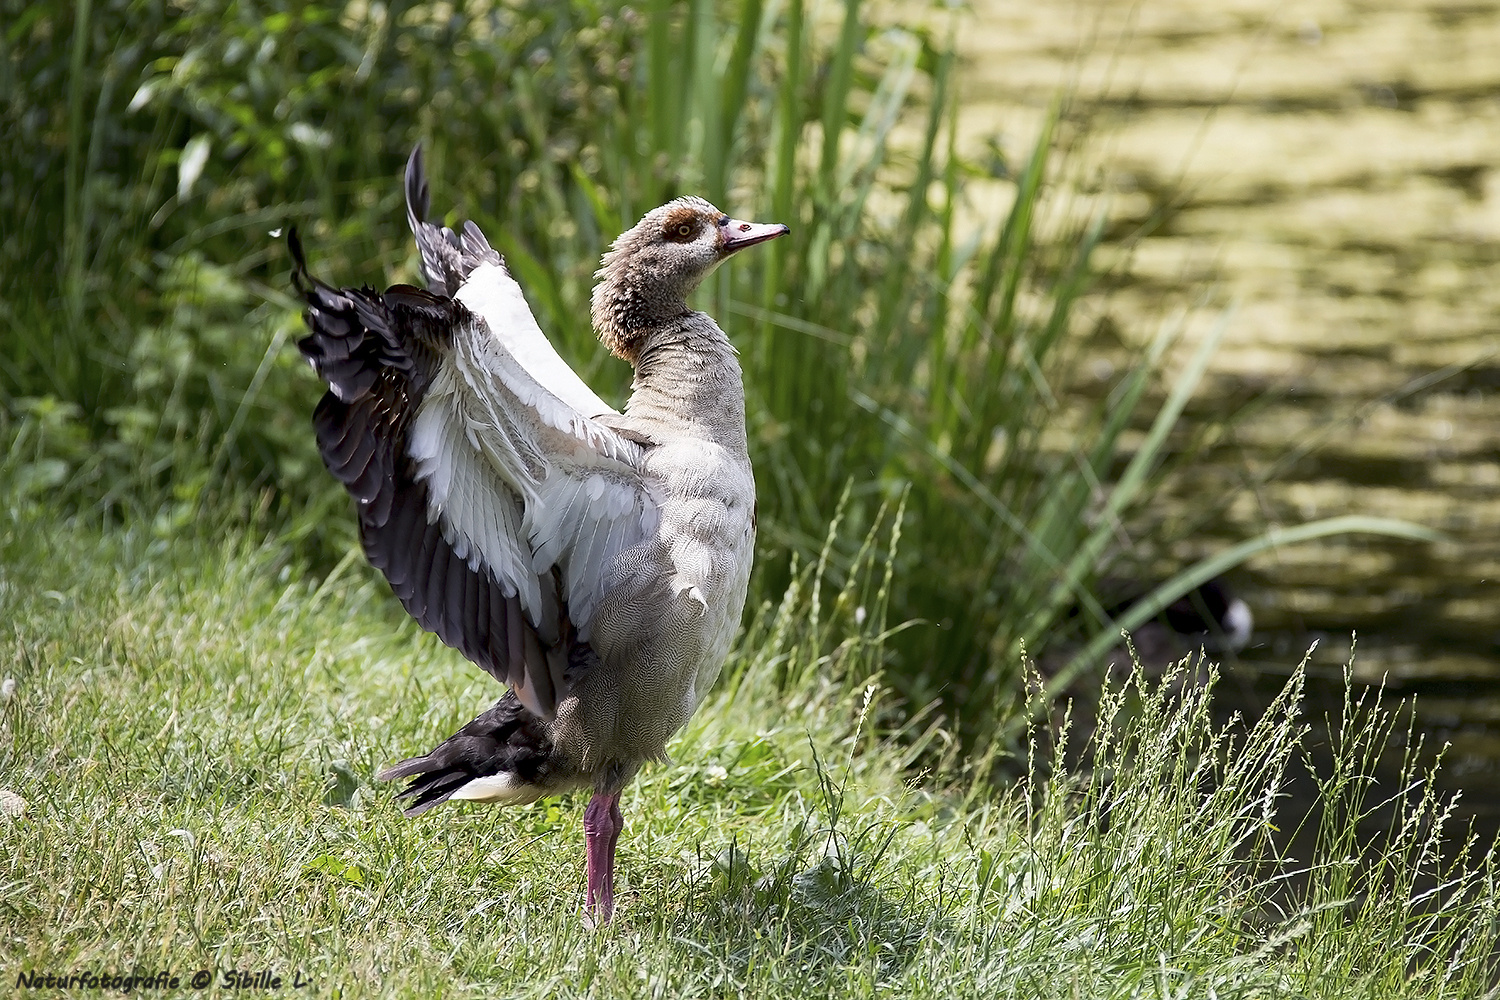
481	516
493	296
582	523
519	475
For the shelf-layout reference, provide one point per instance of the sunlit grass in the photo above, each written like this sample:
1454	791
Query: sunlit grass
195	724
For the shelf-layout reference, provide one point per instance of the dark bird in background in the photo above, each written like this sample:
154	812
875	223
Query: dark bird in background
595	562
1209	619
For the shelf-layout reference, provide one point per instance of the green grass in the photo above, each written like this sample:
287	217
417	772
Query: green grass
196	722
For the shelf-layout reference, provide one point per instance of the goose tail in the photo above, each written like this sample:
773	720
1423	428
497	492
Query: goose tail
504	756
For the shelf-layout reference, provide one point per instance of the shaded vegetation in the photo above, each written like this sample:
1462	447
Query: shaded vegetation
887	346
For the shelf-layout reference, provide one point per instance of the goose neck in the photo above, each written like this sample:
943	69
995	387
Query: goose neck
687	377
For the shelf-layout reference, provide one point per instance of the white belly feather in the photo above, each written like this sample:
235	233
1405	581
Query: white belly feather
703	551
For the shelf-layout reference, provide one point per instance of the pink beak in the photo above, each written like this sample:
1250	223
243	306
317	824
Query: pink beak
738	235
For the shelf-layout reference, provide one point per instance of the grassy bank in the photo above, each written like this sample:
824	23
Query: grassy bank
206	673
195	721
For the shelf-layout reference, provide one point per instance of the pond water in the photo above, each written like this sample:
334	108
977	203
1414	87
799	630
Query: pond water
1332	171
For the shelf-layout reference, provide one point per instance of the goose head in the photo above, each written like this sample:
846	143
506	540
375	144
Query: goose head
648	273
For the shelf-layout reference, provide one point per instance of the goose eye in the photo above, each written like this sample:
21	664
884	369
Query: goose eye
723	220
681	227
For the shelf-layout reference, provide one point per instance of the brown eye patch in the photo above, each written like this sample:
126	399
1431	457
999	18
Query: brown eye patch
682	226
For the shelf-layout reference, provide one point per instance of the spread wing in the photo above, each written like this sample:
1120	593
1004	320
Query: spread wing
487	491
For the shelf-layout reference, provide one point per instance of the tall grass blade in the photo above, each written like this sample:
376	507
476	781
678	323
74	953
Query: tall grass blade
1133	478
73	209
736	80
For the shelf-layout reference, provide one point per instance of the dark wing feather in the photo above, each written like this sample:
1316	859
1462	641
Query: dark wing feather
447	260
378	352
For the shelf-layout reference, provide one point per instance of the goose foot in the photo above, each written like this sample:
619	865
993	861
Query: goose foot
602	823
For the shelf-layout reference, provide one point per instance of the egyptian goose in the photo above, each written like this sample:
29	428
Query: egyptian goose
594	561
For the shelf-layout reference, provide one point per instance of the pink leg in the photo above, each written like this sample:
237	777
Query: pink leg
602	823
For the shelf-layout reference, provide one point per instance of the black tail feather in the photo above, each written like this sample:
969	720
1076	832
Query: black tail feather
507	739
